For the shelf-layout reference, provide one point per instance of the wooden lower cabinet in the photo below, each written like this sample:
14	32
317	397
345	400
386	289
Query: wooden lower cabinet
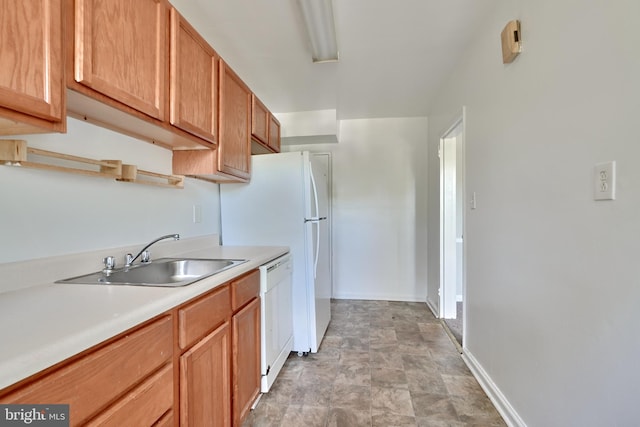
134	371
143	406
196	365
205	375
246	359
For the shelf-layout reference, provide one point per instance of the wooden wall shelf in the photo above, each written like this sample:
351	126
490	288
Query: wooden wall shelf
15	152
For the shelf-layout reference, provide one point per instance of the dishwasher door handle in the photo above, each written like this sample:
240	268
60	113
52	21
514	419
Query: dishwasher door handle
274	266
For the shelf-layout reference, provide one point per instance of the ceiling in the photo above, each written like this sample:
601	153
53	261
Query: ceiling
393	53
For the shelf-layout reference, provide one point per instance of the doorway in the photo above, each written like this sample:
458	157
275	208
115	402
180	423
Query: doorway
452	272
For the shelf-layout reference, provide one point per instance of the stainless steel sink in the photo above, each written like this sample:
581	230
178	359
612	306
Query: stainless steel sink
167	272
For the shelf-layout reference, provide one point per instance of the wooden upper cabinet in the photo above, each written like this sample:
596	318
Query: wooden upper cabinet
194	69
32	71
265	129
274	133
234	149
120	51
259	120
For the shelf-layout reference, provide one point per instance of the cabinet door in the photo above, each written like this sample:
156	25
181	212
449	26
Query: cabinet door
121	49
274	133
31	75
234	148
259	120
193	80
205	375
246	359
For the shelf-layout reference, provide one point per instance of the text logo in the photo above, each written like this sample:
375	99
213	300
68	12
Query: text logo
34	415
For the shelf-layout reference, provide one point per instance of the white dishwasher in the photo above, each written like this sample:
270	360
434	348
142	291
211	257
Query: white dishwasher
277	317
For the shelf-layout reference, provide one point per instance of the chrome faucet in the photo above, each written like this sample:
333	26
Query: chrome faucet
144	253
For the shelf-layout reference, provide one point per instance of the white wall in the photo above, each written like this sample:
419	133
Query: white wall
553	287
45	213
379	208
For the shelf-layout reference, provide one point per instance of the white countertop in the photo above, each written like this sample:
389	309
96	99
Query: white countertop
45	324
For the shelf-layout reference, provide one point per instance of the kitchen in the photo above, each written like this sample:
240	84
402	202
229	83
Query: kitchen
545	378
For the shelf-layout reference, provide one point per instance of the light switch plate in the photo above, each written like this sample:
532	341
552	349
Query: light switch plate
604	181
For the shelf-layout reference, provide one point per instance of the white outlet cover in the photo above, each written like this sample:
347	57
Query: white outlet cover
604	181
197	214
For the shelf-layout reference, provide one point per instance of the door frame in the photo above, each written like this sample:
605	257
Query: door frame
459	120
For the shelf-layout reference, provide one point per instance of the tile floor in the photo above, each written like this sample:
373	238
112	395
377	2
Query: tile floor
382	364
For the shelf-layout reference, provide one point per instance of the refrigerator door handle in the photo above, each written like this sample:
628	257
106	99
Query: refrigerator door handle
314	188
315	219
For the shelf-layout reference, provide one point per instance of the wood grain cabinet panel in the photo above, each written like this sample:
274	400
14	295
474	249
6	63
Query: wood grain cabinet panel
259	120
274	134
92	382
32	72
265	129
246	360
205	378
167	420
144	406
120	51
234	149
200	317
193	80
231	160
244	289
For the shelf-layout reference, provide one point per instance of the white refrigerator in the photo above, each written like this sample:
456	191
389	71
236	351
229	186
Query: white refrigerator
287	204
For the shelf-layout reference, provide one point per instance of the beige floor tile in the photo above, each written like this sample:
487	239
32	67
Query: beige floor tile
351	397
392	378
354	374
388	420
308	416
395	401
462	385
434	407
344	417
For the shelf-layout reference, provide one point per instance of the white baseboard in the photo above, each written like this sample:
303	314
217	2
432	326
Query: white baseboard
433	309
379	297
498	399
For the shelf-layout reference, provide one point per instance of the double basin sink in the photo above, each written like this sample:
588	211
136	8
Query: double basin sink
165	272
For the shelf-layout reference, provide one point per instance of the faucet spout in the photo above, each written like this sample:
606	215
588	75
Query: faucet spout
131	259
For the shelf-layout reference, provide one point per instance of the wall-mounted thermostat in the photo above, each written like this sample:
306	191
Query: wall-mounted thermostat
511	41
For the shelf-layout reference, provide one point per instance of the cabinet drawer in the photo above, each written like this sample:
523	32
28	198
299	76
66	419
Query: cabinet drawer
93	381
202	316
245	289
144	405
